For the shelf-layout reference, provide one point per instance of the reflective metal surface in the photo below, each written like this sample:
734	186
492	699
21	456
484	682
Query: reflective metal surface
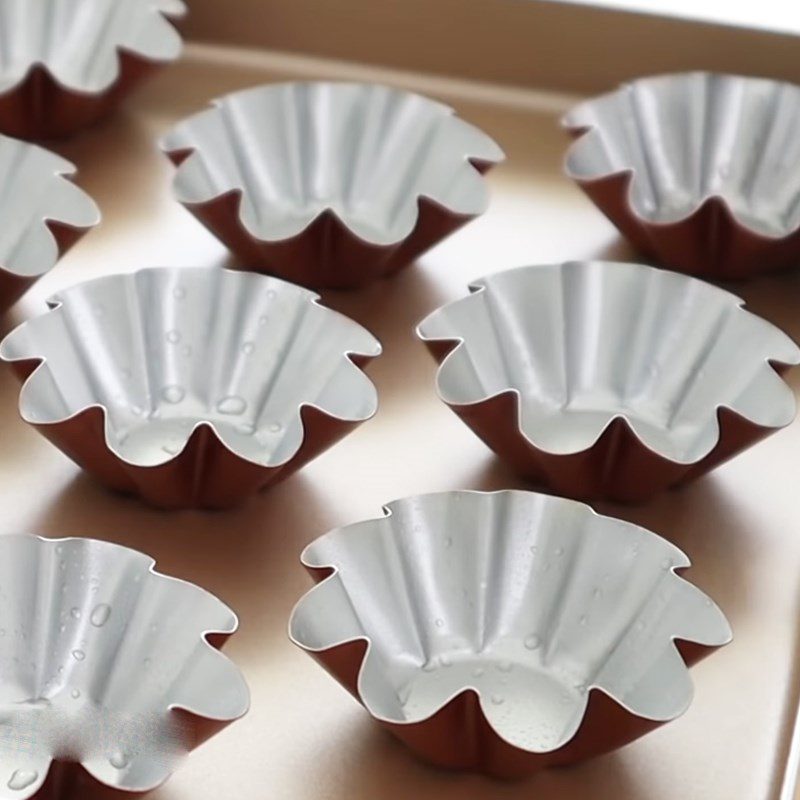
304	737
107	664
204	385
533	603
65	63
43	214
698	169
330	184
606	379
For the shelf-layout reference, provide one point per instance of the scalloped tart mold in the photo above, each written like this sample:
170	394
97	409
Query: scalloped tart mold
700	171
330	185
610	380
191	386
70	62
111	671
506	632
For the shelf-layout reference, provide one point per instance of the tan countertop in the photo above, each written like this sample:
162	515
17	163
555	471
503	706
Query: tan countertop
305	738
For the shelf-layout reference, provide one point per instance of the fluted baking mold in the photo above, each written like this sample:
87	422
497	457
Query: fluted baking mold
610	380
191	386
700	171
330	184
111	672
64	64
42	212
506	632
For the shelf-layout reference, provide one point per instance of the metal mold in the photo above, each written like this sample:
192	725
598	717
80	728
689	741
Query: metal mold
700	171
505	632
610	380
330	184
111	671
192	386
43	214
69	62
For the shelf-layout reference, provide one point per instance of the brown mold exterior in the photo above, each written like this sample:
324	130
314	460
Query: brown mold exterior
41	108
13	286
459	737
326	255
68	780
618	467
710	243
205	474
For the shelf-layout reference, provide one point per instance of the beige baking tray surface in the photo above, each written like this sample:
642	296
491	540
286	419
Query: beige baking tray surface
305	738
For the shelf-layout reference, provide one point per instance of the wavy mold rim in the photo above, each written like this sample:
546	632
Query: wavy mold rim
451	344
701	207
285	321
77	733
381	176
467	704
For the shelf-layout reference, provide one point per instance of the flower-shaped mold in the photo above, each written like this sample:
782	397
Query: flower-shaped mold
42	214
610	380
330	184
700	171
111	672
506	632
66	63
192	386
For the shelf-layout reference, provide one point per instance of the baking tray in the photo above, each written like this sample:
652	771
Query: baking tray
305	738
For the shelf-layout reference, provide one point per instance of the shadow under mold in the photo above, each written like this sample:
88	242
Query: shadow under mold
387	769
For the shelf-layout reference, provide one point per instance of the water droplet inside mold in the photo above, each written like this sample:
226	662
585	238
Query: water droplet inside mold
232	404
78	655
559	551
100	615
75	694
246	428
275	427
532	642
173	336
439	623
118	760
22	778
171	448
505	666
248	348
173	394
75	613
498	699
